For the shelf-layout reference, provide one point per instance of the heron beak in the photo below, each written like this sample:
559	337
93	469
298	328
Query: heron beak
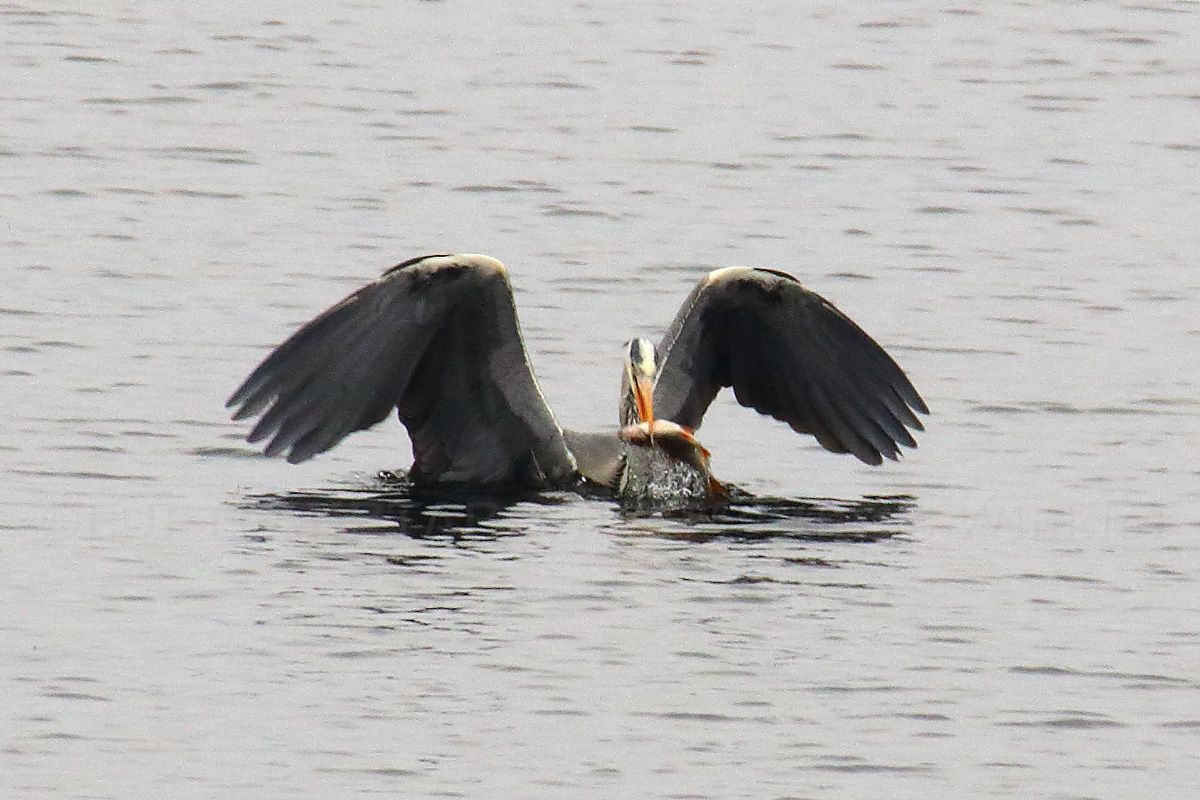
643	394
640	373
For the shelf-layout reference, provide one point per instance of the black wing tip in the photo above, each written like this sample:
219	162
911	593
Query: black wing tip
291	452
898	441
895	454
296	456
872	458
243	403
257	435
241	396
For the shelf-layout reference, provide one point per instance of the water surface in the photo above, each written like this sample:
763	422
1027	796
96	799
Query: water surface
1004	196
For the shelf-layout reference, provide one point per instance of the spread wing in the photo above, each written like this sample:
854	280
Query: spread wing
436	338
789	353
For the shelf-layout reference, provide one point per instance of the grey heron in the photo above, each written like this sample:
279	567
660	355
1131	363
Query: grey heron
437	339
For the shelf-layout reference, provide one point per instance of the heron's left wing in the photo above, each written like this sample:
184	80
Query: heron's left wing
789	353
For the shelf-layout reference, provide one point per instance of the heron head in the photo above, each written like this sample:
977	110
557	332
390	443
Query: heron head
637	383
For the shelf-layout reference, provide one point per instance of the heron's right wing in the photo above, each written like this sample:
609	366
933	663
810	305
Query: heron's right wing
436	338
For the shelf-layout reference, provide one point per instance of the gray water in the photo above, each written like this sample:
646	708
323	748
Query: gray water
1004	195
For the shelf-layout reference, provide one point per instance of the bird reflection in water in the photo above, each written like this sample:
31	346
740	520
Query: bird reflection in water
393	504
